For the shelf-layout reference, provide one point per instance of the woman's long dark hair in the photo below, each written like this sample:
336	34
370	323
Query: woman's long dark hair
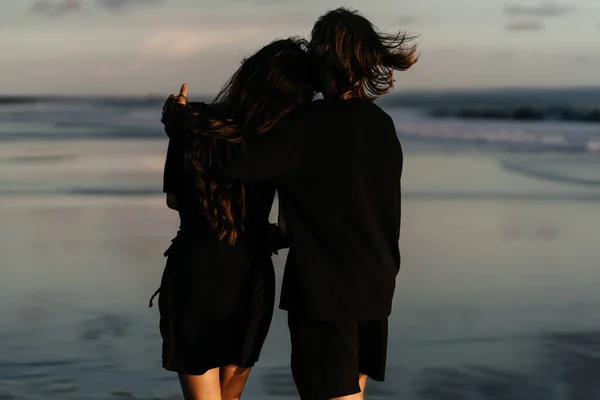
361	59
267	86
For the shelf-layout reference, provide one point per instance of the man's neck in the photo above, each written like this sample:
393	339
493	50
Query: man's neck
330	90
328	85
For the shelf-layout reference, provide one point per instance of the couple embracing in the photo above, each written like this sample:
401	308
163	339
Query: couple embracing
335	164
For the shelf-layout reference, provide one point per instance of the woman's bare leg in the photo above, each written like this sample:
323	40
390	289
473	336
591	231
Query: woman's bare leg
362	383
201	387
233	380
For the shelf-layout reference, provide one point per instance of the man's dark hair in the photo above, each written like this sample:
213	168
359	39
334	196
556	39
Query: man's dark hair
359	58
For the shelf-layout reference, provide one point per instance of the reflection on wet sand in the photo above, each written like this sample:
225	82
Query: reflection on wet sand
106	325
568	368
484	314
572	361
476	383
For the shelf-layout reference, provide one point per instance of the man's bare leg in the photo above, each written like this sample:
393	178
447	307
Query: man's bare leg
362	383
201	387
233	380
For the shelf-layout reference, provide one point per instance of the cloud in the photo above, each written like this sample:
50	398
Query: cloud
264	2
180	43
584	59
117	5
406	20
544	9
503	54
271	2
55	8
525	25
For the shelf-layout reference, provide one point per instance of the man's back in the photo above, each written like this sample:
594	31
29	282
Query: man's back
343	211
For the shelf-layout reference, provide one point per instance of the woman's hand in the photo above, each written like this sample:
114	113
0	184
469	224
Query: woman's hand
172	100
177	114
181	98
277	239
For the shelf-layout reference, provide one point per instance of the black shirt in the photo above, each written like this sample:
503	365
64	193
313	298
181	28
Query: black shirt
215	269
337	166
178	179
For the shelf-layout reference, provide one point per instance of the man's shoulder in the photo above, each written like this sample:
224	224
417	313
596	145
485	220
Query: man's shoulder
305	115
370	111
346	105
368	106
311	108
321	110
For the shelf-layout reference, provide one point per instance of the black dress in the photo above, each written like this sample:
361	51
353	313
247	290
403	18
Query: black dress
216	300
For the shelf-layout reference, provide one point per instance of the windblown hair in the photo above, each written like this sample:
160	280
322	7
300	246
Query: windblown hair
361	59
267	86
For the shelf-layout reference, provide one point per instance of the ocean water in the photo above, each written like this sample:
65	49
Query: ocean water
497	297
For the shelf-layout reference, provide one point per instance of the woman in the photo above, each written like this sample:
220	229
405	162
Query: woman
217	291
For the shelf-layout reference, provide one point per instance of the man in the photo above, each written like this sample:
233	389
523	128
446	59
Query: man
338	166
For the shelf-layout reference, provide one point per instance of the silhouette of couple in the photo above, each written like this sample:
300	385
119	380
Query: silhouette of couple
335	164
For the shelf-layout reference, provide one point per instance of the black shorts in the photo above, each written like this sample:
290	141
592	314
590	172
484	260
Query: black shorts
327	357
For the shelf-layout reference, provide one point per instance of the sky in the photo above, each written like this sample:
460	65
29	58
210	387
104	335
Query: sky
147	47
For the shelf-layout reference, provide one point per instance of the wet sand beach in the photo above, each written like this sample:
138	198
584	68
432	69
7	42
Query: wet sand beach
497	296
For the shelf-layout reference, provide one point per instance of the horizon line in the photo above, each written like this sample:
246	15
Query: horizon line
394	93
